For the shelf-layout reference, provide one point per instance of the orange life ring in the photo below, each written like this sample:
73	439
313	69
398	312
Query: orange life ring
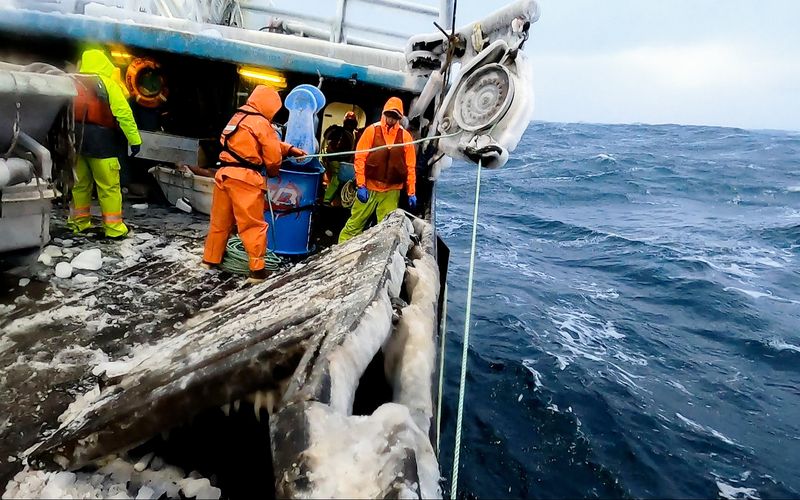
144	96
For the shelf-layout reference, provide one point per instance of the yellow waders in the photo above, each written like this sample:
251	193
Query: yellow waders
333	181
382	203
105	174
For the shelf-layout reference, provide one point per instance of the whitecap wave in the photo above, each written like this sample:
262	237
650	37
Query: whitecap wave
596	291
730	492
537	377
604	157
581	335
781	345
679	386
755	294
704	429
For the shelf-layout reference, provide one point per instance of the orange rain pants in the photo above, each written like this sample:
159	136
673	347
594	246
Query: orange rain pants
238	199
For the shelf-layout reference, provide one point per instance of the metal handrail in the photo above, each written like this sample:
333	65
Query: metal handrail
338	29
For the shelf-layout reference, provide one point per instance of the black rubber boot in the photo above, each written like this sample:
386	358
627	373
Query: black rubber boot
257	276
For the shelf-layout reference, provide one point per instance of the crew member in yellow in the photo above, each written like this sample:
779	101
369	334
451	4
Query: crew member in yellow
380	174
101	112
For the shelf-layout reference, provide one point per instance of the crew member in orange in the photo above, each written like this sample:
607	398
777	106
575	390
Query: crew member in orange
381	174
249	144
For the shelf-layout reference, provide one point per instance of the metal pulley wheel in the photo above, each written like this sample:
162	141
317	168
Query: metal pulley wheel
483	97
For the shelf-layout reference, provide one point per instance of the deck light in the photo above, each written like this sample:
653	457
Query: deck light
116	54
271	78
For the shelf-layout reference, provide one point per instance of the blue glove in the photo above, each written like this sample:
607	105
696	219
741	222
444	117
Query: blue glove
362	194
412	201
135	150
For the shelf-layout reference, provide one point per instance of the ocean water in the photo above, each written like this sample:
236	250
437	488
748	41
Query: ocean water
636	315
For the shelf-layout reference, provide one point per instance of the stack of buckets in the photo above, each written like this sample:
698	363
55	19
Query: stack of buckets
293	193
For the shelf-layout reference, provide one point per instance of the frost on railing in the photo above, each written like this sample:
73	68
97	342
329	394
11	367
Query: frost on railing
227	12
383	24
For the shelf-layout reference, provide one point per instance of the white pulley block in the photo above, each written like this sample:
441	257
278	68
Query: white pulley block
483	98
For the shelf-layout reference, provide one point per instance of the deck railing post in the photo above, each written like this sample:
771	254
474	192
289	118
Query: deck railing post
337	33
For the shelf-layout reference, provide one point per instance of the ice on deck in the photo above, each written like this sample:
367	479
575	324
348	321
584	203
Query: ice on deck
161	341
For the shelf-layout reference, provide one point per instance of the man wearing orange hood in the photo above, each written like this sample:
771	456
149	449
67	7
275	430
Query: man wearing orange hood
249	144
381	174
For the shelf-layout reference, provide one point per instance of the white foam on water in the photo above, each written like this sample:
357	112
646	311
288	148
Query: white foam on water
736	493
537	377
755	294
679	386
793	189
781	345
596	291
581	335
703	429
744	262
604	157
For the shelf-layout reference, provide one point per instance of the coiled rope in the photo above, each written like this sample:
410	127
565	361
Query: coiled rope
462	387
348	194
237	261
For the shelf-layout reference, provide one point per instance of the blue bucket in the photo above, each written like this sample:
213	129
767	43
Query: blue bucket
293	194
347	171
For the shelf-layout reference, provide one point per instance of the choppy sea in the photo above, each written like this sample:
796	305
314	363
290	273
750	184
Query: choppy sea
636	315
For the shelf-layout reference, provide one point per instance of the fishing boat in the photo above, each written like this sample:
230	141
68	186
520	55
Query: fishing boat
126	370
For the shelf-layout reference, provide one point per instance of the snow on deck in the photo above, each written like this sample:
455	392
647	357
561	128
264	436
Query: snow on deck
93	367
55	331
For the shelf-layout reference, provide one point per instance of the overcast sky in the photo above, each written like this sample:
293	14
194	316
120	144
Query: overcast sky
710	62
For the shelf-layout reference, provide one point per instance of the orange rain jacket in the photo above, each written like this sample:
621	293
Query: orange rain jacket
255	140
367	138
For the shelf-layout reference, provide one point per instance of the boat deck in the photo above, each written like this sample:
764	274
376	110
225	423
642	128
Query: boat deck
55	331
100	363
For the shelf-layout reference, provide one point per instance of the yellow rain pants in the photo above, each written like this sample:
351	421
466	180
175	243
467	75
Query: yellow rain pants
104	172
381	202
333	181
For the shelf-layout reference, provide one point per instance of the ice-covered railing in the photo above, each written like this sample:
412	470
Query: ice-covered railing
382	24
225	12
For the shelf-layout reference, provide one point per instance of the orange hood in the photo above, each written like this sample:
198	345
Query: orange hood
266	101
394	104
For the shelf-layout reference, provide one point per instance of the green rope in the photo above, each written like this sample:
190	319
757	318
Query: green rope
462	386
376	148
237	261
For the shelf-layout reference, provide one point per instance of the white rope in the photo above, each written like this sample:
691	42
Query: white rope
468	318
376	148
443	329
272	216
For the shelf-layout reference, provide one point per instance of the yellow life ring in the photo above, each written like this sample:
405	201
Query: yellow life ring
146	82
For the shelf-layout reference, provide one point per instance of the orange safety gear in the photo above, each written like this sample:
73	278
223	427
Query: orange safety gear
142	95
382	172
91	105
249	140
387	166
237	200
